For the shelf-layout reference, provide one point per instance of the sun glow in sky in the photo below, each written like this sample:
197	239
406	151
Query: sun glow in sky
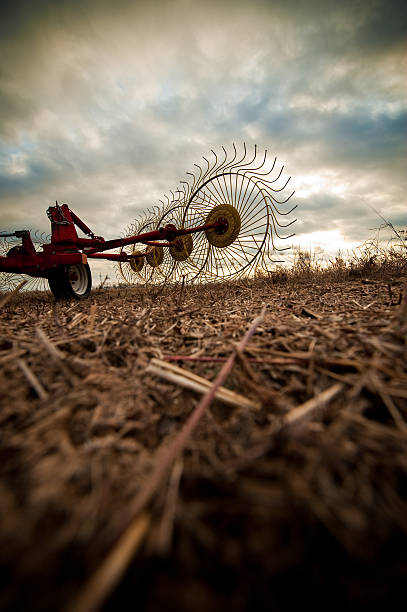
325	243
106	105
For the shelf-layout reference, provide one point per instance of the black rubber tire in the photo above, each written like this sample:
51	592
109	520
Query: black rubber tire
71	282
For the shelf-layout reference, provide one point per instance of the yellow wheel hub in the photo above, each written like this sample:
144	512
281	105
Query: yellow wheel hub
227	233
155	256
182	249
137	263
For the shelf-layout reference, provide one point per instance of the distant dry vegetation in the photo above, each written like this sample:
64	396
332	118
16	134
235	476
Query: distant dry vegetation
294	481
375	258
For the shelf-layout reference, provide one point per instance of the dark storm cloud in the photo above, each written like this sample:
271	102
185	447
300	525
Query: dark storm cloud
369	139
385	26
107	104
330	212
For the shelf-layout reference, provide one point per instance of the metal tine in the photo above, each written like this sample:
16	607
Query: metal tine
272	202
221	167
274	222
218	168
138	226
201	179
262	174
215	163
210	165
206	173
256	170
287	248
41	237
268	190
263	255
178	196
156	211
194	179
163	205
282	202
150	214
231	162
268	247
187	182
245	171
185	191
276	179
238	163
242	164
280	212
203	182
247	164
270	241
200	173
240	175
173	196
168	203
247	167
271	168
176	268
224	166
284	224
274	208
234	166
186	187
276	190
221	171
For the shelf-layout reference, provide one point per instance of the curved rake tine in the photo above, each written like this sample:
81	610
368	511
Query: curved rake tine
283	225
205	173
276	179
185	190
194	177
219	168
280	212
230	164
274	222
281	188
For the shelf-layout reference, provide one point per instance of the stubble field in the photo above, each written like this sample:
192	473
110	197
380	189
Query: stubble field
294	486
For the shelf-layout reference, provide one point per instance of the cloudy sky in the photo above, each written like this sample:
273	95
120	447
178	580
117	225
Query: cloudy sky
106	104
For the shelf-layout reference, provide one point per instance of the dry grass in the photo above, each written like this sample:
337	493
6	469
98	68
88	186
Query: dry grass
304	491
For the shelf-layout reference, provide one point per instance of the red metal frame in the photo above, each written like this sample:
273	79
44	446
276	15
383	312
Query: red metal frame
67	248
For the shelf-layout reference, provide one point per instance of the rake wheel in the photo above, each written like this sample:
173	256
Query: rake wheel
177	263
182	248
248	226
137	270
155	256
243	196
245	191
10	280
137	262
229	231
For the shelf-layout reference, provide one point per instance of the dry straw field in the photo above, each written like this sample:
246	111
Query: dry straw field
126	485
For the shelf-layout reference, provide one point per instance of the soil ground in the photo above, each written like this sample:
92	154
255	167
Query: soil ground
256	514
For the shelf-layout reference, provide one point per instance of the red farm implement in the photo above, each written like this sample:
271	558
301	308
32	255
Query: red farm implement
221	224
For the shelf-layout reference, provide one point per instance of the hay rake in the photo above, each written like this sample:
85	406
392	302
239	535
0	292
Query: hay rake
221	223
